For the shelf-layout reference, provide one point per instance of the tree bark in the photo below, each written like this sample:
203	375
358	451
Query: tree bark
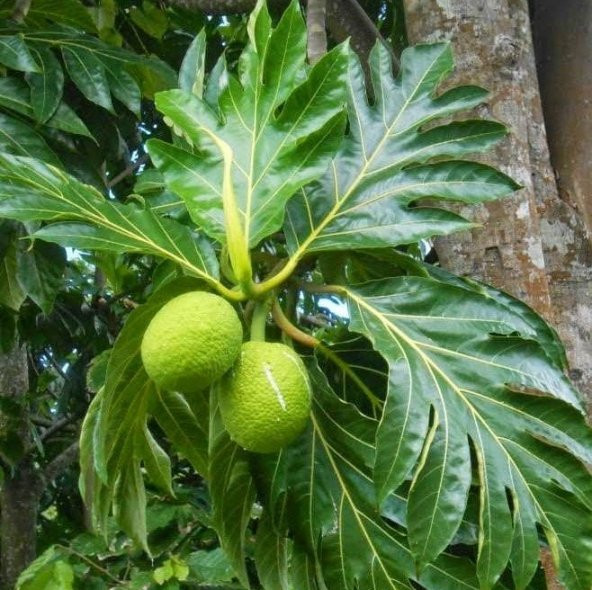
492	46
531	245
317	34
563	45
534	244
19	497
345	19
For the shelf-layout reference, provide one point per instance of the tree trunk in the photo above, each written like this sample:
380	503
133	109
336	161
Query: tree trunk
19	497
563	44
492	47
531	245
317	34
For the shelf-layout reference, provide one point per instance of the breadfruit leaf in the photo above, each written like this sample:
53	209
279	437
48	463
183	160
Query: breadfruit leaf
281	120
395	154
470	387
81	217
326	482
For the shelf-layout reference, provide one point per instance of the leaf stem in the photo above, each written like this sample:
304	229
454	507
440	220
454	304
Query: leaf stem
238	248
276	280
231	294
307	340
291	330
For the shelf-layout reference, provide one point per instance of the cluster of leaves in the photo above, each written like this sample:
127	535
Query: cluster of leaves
465	453
72	89
182	540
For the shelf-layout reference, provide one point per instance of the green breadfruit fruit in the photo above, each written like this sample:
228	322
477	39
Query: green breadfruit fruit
192	341
265	400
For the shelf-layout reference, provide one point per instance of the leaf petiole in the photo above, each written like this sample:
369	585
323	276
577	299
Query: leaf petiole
307	340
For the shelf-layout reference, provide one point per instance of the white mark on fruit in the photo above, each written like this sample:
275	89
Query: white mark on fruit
274	386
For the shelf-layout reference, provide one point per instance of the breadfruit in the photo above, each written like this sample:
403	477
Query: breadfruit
265	399
192	341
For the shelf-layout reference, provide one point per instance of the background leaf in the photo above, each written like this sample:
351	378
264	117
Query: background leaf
50	194
19	139
47	85
12	293
15	54
88	73
40	271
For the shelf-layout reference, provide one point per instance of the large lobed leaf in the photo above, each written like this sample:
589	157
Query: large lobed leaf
33	191
281	121
367	199
469	386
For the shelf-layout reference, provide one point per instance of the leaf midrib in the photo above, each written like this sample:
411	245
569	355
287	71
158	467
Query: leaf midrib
319	228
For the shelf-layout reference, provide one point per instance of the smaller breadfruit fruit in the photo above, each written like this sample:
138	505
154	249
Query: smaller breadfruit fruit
265	399
191	341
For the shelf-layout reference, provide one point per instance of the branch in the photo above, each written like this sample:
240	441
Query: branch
217	6
55	365
20	10
316	25
40	420
59	463
55	426
127	171
347	19
91	563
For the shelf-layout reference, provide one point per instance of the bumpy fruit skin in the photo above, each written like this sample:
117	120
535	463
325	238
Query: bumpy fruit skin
265	399
192	341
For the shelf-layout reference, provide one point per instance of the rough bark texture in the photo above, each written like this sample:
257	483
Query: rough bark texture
19	497
533	245
563	44
315	24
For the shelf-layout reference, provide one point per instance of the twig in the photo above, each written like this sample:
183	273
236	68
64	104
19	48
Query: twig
59	463
346	18
290	329
91	563
41	421
55	426
127	171
51	428
20	10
